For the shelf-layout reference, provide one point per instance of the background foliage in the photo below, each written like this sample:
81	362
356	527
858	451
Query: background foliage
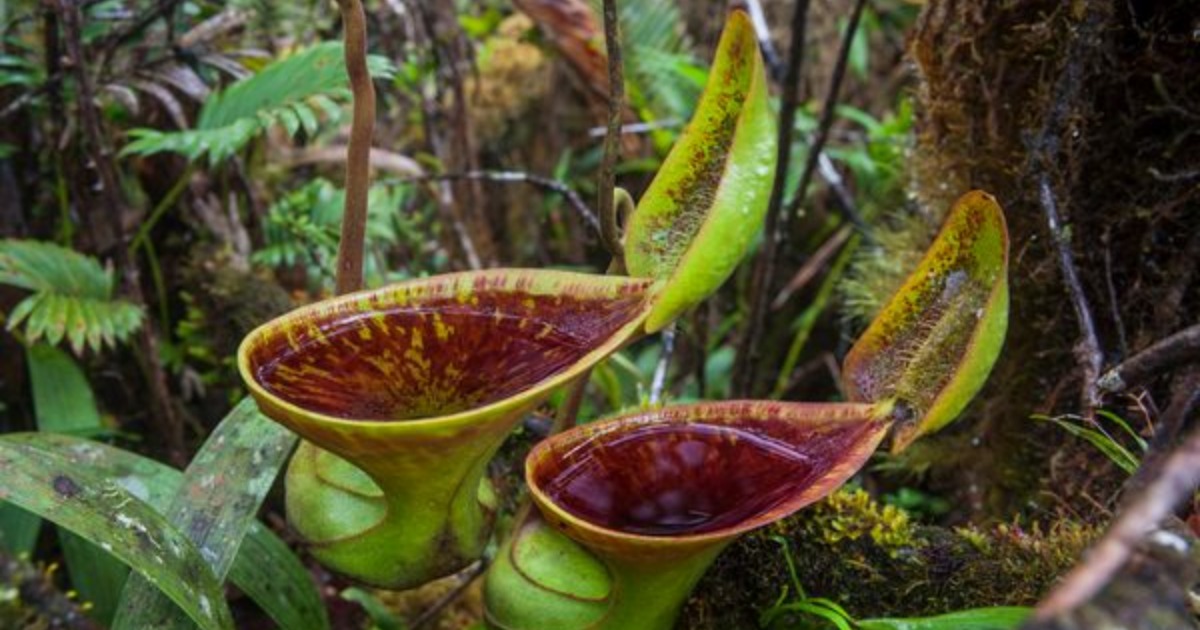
170	176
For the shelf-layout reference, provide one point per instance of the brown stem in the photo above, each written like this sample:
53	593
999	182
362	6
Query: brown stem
609	230
1066	93
747	356
162	414
568	413
358	152
1181	347
749	352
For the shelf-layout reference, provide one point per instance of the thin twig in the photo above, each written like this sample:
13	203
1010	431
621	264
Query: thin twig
117	38
358	152
812	266
1113	303
1171	423
829	173
609	230
811	313
828	110
1178	480
1087	351
465	579
659	382
762	32
521	177
766	279
1067	89
1173	177
1177	349
637	127
748	348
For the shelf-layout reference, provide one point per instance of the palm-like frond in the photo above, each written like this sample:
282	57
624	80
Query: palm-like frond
72	296
293	92
662	70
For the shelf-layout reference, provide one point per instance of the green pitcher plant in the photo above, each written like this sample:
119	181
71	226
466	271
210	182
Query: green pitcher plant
402	394
634	509
647	501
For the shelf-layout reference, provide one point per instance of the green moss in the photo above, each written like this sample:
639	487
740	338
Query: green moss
876	561
878	271
848	515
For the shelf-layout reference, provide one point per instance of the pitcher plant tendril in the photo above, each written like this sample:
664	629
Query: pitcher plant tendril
358	151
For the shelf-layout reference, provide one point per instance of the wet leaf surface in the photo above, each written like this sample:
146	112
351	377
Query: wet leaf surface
264	568
103	512
699	215
221	492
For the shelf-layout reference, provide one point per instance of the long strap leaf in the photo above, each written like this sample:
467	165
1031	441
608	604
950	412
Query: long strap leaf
222	490
265	569
101	511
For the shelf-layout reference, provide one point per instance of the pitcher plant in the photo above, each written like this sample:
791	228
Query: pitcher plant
404	393
634	509
647	501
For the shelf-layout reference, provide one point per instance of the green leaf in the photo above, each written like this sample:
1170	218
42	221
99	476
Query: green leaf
18	530
308	119
381	616
932	346
998	618
701	212
231	119
265	568
269	573
63	401
1125	459
72	296
222	490
809	607
98	509
40	266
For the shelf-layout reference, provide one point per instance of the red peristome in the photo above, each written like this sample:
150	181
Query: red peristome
678	477
438	353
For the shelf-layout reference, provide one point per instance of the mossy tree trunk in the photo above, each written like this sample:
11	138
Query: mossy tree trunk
1110	91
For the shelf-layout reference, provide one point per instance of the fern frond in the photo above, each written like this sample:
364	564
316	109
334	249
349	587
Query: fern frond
290	92
301	228
72	297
